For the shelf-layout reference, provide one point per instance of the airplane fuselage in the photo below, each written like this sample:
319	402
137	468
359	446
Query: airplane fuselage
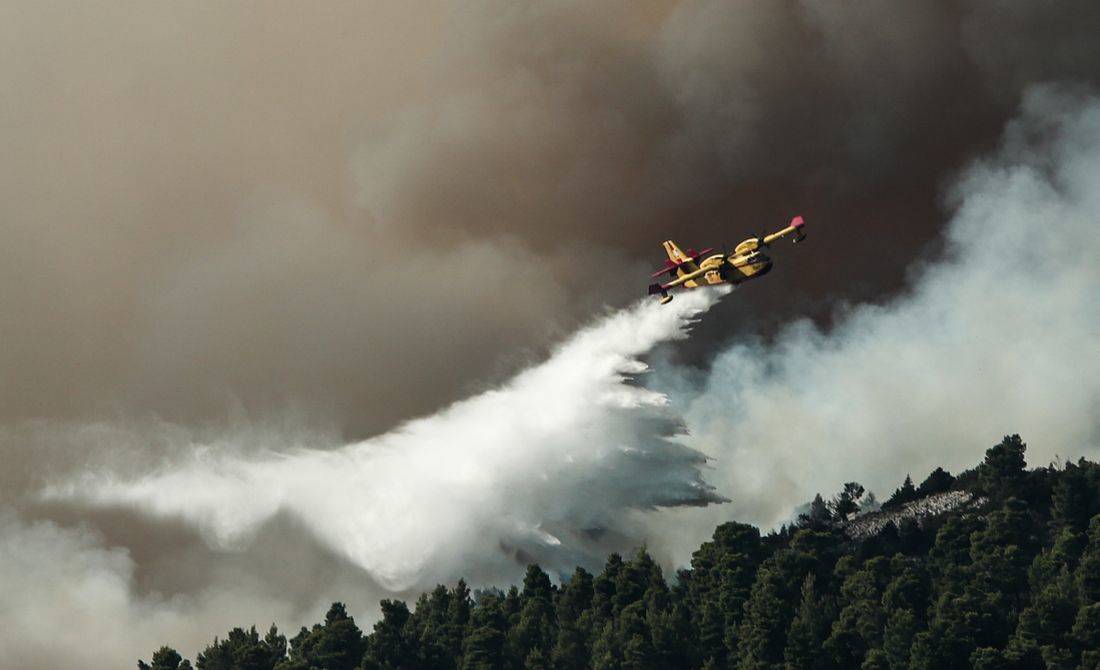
748	261
735	269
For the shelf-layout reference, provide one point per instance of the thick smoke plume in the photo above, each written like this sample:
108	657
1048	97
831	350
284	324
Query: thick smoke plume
541	469
259	209
274	233
1000	336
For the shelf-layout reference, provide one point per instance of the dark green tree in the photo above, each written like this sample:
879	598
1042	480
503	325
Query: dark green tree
958	627
165	658
938	481
483	648
807	631
574	616
607	649
1088	571
1086	635
1003	473
603	591
537	619
338	644
846	502
906	493
1045	624
1073	498
244	650
988	658
768	613
388	647
719	583
875	660
818	516
859	625
902	626
1002	553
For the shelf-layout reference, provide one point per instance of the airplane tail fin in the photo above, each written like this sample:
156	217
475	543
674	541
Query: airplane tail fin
675	254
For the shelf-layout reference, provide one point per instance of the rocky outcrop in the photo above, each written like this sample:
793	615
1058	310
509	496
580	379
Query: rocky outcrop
868	525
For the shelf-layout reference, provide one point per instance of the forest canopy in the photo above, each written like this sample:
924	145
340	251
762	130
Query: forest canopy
1012	581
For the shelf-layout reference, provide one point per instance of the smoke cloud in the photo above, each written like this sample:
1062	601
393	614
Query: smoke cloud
245	206
1001	335
568	460
68	600
242	243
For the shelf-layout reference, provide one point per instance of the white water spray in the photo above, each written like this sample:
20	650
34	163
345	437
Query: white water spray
539	469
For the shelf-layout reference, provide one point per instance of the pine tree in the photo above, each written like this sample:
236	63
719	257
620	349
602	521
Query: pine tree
1047	621
573	612
958	626
243	650
858	627
764	628
907	493
1088	570
1072	499
336	645
603	591
807	631
1086	635
1002	474
1003	552
897	637
537	620
388	647
938	481
429	626
846	502
988	658
165	658
635	639
719	583
483	648
819	516
607	649
875	660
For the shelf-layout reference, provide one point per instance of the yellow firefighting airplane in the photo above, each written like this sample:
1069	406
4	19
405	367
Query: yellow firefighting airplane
746	262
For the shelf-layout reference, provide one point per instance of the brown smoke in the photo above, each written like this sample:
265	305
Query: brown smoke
370	210
352	214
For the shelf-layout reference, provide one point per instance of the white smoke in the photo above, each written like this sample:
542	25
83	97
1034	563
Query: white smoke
1002	335
68	601
540	469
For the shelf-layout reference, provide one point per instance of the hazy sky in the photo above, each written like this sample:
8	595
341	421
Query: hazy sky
235	230
371	210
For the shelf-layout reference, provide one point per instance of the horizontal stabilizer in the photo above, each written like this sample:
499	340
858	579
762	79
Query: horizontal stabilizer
669	267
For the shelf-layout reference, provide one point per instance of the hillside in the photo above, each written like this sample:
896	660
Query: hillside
996	568
922	511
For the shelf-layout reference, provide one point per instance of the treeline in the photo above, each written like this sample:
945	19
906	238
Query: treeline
1015	584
